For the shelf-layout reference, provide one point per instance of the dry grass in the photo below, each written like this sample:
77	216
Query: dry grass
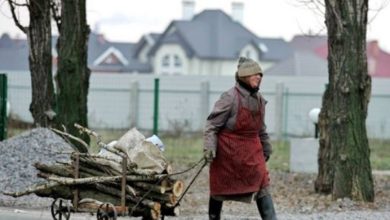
188	148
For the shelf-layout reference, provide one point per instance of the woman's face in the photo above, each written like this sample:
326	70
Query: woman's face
254	80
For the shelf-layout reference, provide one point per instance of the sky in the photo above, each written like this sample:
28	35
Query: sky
128	20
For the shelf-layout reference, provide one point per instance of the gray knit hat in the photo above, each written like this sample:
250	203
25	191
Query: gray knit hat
247	67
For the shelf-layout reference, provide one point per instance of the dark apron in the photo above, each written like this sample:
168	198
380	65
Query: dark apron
239	166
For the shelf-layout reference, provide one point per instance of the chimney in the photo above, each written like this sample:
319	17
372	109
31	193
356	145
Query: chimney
188	9
238	11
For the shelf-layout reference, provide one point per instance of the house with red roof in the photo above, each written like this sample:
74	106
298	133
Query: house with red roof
310	58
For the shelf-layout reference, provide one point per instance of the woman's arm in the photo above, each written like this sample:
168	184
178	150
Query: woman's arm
217	120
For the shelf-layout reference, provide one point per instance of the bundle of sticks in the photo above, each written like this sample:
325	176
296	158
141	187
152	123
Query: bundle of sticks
89	180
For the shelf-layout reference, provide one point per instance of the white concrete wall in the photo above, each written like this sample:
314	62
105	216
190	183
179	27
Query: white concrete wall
111	102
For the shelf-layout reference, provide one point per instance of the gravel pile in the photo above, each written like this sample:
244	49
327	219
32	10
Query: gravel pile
17	156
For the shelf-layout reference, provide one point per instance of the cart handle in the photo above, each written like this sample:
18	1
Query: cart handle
193	180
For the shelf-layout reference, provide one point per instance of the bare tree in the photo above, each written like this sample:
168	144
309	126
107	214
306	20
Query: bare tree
344	165
73	74
40	60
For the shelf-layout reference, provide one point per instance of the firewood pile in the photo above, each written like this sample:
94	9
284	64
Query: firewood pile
131	174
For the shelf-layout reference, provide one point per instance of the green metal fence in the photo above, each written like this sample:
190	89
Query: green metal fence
3	106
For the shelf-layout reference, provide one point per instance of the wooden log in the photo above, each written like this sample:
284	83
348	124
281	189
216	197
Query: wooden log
90	172
87	180
170	211
65	192
178	188
32	189
96	156
56	192
61	170
108	163
145	213
174	186
168	169
89	162
167	198
89	205
166	183
153	214
146	202
149	186
65	170
98	179
129	189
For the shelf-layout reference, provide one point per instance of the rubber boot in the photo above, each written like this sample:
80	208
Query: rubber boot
266	208
215	208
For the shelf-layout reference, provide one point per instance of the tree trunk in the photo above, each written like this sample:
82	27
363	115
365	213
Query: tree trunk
344	165
40	61
73	73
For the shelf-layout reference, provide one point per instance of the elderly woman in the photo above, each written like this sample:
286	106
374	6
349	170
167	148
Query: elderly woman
237	145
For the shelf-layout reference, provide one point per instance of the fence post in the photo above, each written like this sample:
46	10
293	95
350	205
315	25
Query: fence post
134	101
204	102
156	105
279	110
286	112
3	106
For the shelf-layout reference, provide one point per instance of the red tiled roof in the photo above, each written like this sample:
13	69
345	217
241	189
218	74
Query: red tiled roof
378	61
382	64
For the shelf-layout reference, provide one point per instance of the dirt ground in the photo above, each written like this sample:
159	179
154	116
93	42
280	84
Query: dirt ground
292	193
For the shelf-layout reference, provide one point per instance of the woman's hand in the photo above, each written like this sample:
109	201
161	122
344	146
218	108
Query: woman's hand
209	155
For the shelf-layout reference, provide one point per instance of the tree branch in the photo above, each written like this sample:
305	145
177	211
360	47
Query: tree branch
19	4
71	137
14	17
55	13
33	189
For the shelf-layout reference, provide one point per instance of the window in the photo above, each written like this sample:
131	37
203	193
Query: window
248	54
165	61
171	64
177	61
263	47
111	59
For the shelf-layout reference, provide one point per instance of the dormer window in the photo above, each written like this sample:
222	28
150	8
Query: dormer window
263	47
171	64
111	56
248	54
177	61
171	31
165	61
111	59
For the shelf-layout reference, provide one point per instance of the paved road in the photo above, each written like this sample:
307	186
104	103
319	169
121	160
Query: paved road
44	214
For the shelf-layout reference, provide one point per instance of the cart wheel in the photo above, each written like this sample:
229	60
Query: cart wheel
60	209
106	211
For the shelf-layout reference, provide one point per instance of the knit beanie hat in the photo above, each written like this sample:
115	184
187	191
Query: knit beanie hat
247	67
